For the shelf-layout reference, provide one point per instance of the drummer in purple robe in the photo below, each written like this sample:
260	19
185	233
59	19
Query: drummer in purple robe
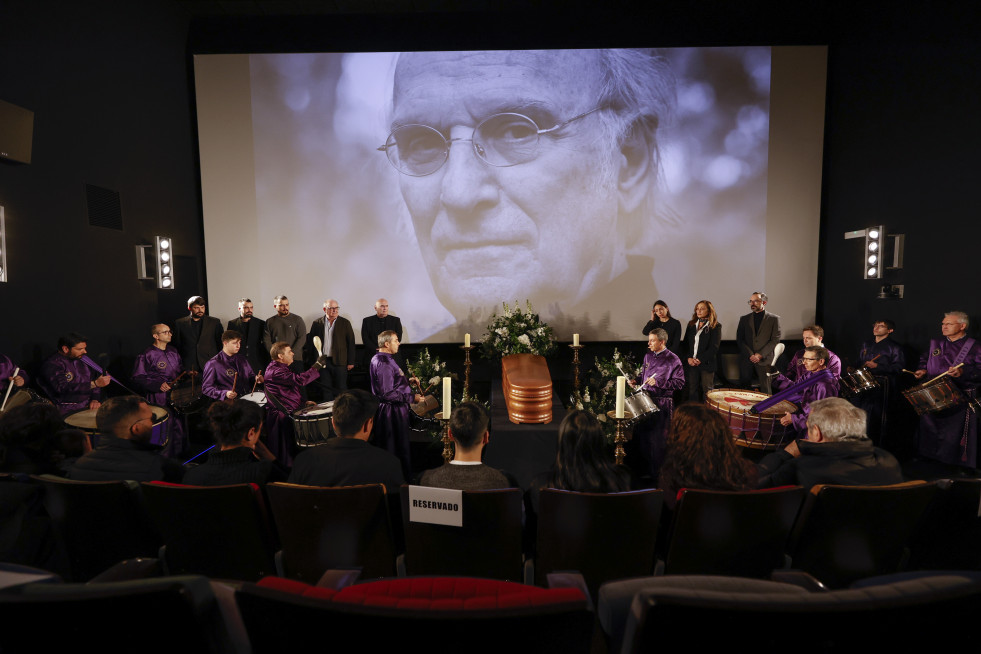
884	358
228	373
813	335
153	373
390	385
661	375
951	436
815	359
7	368
68	382
282	387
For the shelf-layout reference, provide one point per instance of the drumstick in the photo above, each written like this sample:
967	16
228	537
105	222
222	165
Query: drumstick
908	371
650	379
9	388
944	374
234	382
318	345
874	358
255	384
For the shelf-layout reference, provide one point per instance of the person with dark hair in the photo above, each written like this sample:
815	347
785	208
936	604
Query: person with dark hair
469	433
283	394
153	373
284	326
703	338
253	332
197	336
661	375
125	451
33	438
240	457
349	459
661	317
68	381
812	335
815	362
583	462
228	374
835	451
701	454
390	385
884	358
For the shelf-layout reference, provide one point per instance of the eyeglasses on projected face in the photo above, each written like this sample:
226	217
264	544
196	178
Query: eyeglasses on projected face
501	140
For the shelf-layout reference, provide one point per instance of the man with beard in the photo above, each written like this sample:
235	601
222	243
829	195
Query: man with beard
285	326
68	381
253	331
197	337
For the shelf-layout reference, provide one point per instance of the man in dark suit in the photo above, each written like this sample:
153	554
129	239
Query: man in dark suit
349	459
197	336
252	330
374	325
337	338
757	335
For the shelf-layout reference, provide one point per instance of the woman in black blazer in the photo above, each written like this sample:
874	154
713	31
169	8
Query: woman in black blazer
702	340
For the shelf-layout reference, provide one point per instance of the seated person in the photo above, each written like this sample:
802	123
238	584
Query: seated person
701	454
283	390
125	451
240	457
349	459
836	451
468	431
227	375
34	440
583	461
815	361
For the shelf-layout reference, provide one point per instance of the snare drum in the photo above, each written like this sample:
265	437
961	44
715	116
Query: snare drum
311	424
188	398
85	420
858	382
20	397
639	404
257	397
756	431
933	396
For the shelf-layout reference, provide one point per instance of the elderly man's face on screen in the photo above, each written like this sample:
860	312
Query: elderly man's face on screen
513	182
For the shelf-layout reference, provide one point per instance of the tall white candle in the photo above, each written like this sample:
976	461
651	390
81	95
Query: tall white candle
621	388
575	339
466	340
447	402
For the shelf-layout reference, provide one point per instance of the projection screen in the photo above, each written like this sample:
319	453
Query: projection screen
589	182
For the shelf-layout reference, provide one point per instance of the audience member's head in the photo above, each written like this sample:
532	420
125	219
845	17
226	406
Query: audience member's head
835	419
31	439
354	414
127	416
235	423
468	426
701	453
583	462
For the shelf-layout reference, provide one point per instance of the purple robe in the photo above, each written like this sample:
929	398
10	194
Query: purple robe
219	372
951	436
284	384
646	448
7	368
891	360
819	390
796	369
152	368
390	385
68	383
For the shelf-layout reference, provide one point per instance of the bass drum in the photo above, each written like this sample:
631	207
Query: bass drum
311	425
754	431
20	397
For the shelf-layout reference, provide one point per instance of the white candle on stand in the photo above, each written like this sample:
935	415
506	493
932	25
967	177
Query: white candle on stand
621	388
447	402
466	340
575	340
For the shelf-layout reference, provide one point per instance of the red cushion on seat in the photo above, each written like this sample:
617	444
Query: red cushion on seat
454	593
296	588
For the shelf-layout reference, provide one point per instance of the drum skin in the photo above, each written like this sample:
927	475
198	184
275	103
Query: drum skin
934	396
311	424
755	431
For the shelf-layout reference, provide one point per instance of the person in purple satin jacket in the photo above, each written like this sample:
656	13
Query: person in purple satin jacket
815	360
153	373
812	335
7	367
390	385
282	388
68	382
951	435
228	373
661	375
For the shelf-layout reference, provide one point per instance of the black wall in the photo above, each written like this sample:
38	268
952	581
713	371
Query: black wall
110	84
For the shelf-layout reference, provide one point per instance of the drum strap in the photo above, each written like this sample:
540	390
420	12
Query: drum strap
968	344
967	418
276	402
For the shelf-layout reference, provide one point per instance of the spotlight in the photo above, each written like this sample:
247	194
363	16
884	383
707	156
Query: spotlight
165	269
873	245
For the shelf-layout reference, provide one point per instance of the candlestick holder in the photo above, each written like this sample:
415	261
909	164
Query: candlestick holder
447	443
466	370
575	367
619	439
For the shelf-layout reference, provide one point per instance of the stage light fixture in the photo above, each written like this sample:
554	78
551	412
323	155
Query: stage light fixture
163	249
873	246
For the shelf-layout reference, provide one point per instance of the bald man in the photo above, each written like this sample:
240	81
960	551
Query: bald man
154	371
372	326
337	337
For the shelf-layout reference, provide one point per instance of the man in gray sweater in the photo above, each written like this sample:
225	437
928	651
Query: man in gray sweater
468	431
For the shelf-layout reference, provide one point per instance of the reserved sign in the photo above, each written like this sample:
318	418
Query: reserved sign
436	506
